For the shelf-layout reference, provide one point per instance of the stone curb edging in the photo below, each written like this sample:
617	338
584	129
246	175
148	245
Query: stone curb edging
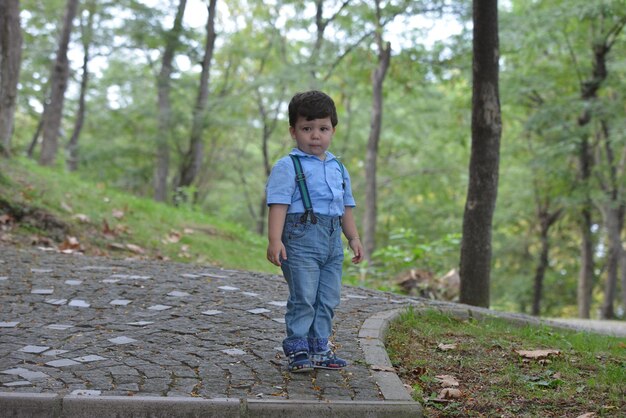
38	405
371	339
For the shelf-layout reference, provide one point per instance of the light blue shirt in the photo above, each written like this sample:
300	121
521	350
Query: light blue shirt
323	179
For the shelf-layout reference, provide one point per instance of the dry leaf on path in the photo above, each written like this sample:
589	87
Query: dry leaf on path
537	354
117	214
587	415
447	381
446	347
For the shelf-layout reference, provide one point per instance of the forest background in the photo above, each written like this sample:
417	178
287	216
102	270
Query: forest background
185	102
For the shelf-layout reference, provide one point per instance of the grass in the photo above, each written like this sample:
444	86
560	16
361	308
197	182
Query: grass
106	221
588	376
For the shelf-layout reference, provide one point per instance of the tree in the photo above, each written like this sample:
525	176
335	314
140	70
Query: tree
10	60
60	72
482	190
161	169
376	117
192	159
614	208
86	37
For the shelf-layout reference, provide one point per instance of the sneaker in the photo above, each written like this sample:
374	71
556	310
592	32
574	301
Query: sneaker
299	362
327	360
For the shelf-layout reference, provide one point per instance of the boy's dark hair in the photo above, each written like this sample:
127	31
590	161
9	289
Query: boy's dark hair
312	105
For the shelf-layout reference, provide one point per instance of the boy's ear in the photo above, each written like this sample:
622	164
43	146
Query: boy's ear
292	131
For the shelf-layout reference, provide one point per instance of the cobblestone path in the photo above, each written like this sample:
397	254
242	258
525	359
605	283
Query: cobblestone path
73	324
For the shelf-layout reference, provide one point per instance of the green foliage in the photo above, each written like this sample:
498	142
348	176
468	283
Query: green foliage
266	52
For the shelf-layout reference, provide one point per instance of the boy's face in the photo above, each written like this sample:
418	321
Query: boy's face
313	136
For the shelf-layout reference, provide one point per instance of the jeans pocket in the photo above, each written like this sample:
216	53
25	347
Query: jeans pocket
297	229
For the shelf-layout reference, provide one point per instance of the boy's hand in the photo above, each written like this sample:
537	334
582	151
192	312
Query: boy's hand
357	248
276	252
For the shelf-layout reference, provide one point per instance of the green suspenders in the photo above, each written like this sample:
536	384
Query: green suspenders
304	190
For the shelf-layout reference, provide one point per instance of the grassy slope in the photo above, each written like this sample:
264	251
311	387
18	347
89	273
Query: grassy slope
117	219
588	376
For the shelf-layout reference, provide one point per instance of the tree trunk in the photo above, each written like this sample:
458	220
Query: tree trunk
269	126
192	160
585	277
540	272
10	61
623	275
58	84
613	213
267	130
371	156
482	190
546	221
162	167
33	142
72	146
260	223
613	225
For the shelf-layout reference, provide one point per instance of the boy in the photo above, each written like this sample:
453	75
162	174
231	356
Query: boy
307	244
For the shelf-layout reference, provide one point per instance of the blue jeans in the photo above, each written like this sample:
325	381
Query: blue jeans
313	272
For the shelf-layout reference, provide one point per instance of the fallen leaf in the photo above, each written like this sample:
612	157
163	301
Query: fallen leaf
135	248
121	229
117	214
116	246
106	230
66	207
6	219
69	244
172	238
447	381
446	347
587	415
418	371
82	218
449	393
537	354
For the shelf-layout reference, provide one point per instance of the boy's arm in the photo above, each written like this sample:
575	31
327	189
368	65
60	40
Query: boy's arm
352	234
275	224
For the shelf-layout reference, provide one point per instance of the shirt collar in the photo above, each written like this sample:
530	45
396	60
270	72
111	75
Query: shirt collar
300	153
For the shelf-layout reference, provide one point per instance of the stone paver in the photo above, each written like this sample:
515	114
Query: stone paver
72	324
